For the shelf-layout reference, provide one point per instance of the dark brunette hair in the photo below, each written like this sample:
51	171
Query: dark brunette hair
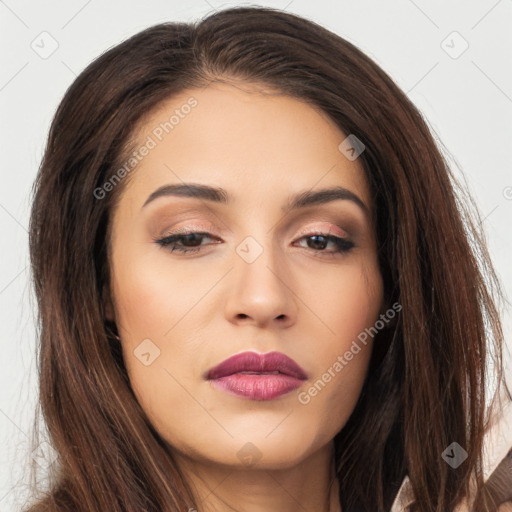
426	385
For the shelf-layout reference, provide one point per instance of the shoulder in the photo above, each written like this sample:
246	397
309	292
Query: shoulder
56	501
499	484
497	465
498	457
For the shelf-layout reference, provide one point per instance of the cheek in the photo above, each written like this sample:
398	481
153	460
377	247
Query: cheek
349	303
350	308
150	298
154	310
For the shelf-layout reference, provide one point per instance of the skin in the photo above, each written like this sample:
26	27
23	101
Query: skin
201	308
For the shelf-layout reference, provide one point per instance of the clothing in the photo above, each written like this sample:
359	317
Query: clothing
497	452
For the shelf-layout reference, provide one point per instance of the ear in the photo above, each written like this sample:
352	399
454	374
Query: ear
385	305
108	305
389	311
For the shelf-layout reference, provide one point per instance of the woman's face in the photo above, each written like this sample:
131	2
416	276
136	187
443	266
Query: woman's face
264	276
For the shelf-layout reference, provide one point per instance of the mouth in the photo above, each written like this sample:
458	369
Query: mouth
257	376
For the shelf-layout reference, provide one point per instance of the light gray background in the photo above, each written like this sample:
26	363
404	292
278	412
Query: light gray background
467	101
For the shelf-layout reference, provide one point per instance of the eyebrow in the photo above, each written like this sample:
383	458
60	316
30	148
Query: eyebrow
219	195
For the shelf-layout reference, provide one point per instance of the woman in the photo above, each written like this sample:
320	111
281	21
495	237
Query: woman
256	287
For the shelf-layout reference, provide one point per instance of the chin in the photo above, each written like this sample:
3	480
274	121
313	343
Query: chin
278	452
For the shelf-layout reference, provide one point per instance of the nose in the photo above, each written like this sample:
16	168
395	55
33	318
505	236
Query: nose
261	292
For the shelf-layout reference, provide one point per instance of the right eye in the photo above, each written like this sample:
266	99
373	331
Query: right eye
183	242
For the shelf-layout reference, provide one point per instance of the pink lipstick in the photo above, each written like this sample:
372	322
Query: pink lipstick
257	376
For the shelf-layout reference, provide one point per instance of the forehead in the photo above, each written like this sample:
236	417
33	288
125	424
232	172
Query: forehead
242	137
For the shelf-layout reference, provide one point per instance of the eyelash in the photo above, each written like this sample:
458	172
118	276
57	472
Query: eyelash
343	244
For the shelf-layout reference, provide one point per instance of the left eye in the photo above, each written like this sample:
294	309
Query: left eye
319	241
191	242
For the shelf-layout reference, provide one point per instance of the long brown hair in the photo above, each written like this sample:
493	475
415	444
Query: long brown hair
426	386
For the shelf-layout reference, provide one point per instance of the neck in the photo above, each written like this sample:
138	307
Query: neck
309	485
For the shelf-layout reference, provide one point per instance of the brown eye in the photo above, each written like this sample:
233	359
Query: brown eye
319	241
185	242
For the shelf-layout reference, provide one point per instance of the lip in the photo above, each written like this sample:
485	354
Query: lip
257	376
